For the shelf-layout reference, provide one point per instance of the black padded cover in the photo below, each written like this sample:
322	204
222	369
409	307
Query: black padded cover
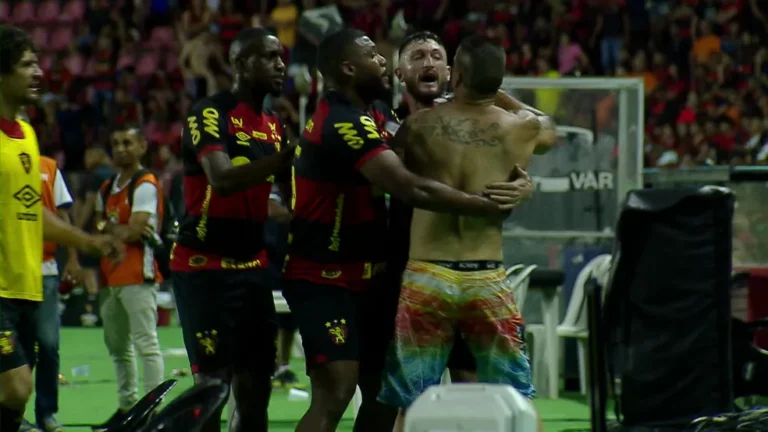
667	312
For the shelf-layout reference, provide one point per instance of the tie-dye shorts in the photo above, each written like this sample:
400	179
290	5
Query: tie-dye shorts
438	299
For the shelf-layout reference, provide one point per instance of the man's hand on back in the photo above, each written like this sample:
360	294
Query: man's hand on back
511	193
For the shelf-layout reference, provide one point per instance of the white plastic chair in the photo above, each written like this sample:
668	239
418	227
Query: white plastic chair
520	277
547	364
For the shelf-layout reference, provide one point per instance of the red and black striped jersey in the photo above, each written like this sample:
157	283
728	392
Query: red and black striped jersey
225	232
339	229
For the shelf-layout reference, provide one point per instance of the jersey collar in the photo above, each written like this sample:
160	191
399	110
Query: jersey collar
12	128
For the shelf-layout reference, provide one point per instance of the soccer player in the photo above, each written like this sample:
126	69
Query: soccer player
454	275
233	151
423	69
56	198
24	227
337	249
130	206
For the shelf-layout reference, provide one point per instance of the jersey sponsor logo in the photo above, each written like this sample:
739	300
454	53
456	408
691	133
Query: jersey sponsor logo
338	331
229	263
242	138
26	162
27	196
208	342
349	134
194	133
259	135
336	233
211	122
202	225
238	122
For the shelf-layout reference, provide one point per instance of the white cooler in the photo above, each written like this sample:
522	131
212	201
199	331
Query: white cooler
471	407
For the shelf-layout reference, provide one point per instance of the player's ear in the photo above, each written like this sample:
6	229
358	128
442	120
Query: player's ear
347	68
399	75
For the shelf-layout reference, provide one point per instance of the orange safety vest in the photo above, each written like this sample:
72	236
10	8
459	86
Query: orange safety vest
133	269
48	169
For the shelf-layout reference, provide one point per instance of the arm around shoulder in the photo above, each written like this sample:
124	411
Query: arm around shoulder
540	129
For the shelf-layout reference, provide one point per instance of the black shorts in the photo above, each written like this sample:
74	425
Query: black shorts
18	327
339	324
227	319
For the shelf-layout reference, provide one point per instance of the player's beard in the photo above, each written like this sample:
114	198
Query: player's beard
373	89
425	98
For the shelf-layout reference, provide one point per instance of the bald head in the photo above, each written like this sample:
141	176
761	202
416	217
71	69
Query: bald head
246	42
256	56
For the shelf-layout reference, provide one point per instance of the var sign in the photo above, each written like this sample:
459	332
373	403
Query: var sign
591	180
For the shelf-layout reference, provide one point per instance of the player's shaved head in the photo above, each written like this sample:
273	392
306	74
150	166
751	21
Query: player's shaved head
245	42
335	49
481	64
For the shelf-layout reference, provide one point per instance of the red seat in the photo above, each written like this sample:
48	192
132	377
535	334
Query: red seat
39	36
23	12
48	11
147	64
74	10
61	38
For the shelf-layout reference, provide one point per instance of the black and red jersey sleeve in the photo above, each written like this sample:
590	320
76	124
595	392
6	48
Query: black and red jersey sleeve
206	128
353	136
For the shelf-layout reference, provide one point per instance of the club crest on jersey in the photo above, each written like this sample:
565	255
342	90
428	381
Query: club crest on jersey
7	343
26	162
208	341
337	330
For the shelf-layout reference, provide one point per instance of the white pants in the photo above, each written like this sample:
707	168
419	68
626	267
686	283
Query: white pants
129	315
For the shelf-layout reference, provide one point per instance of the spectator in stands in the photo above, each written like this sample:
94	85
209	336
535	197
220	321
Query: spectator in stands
285	19
70	120
230	22
612	28
125	109
570	56
706	42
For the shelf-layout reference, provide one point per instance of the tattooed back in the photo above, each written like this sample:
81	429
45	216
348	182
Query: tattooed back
467	147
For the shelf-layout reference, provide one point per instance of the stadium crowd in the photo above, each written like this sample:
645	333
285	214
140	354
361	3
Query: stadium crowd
702	62
109	66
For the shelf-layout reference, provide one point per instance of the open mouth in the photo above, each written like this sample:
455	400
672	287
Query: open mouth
429	77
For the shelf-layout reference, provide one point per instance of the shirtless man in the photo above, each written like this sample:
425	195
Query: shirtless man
454	277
